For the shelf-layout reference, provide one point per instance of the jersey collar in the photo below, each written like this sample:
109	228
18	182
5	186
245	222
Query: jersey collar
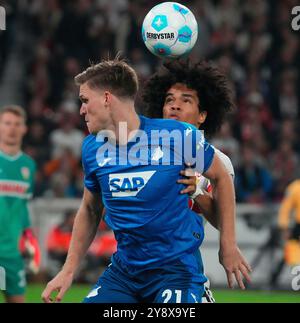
11	157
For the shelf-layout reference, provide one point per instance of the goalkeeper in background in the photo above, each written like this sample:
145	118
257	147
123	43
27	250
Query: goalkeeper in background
290	230
291	202
17	171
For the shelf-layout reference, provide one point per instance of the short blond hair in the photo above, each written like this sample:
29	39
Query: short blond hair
116	75
14	109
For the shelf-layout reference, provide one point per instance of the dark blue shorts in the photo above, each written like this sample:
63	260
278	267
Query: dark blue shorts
179	282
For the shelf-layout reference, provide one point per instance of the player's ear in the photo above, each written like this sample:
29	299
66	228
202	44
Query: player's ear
202	117
107	97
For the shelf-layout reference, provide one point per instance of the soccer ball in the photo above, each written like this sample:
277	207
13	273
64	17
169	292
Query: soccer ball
170	30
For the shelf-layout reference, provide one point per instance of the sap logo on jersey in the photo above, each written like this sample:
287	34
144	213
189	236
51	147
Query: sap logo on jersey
128	184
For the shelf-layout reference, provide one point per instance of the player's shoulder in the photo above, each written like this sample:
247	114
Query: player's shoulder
29	161
226	161
88	140
168	124
294	186
89	143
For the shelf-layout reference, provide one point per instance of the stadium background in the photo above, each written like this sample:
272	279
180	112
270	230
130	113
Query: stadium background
46	43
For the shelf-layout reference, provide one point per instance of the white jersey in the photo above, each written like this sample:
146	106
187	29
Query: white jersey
226	161
204	183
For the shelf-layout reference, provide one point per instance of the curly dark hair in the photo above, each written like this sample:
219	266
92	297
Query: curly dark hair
214	93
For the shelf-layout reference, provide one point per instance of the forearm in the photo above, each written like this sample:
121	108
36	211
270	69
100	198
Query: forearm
84	230
206	206
229	254
224	195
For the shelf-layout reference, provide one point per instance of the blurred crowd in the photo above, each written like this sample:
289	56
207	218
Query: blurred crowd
98	255
250	40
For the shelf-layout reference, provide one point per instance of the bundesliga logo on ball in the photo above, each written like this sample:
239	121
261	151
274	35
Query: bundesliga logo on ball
170	30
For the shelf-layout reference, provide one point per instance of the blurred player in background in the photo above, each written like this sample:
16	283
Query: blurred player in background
197	94
58	242
98	255
291	202
290	230
158	258
17	171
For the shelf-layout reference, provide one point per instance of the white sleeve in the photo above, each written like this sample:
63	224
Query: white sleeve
226	161
203	183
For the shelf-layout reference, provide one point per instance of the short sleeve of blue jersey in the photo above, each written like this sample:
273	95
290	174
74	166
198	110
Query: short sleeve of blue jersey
90	180
197	152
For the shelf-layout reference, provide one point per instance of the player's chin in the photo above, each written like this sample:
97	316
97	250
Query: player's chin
13	142
93	132
91	129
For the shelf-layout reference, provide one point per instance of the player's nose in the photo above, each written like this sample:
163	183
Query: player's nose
175	107
82	110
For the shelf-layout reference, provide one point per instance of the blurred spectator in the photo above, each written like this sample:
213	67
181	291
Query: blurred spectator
62	172
36	141
285	166
227	143
226	11
254	110
139	63
67	136
253	181
59	237
250	41
288	132
7	37
288	100
58	241
99	253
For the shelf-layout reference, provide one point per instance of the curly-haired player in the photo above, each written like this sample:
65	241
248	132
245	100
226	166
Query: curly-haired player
198	94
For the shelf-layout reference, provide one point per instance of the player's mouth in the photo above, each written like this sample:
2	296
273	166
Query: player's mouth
173	116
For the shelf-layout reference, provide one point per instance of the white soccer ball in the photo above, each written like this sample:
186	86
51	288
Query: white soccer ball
170	30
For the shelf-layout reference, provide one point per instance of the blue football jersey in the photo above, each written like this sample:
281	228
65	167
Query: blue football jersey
138	183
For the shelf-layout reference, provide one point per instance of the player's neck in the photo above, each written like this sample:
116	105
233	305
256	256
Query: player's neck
11	150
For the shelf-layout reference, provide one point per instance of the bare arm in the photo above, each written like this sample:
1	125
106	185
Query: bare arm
224	195
84	230
207	207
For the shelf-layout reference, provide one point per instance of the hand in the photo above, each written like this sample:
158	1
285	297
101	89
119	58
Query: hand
60	283
190	181
30	251
234	263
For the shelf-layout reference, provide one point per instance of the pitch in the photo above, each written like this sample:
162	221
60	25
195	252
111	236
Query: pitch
78	292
